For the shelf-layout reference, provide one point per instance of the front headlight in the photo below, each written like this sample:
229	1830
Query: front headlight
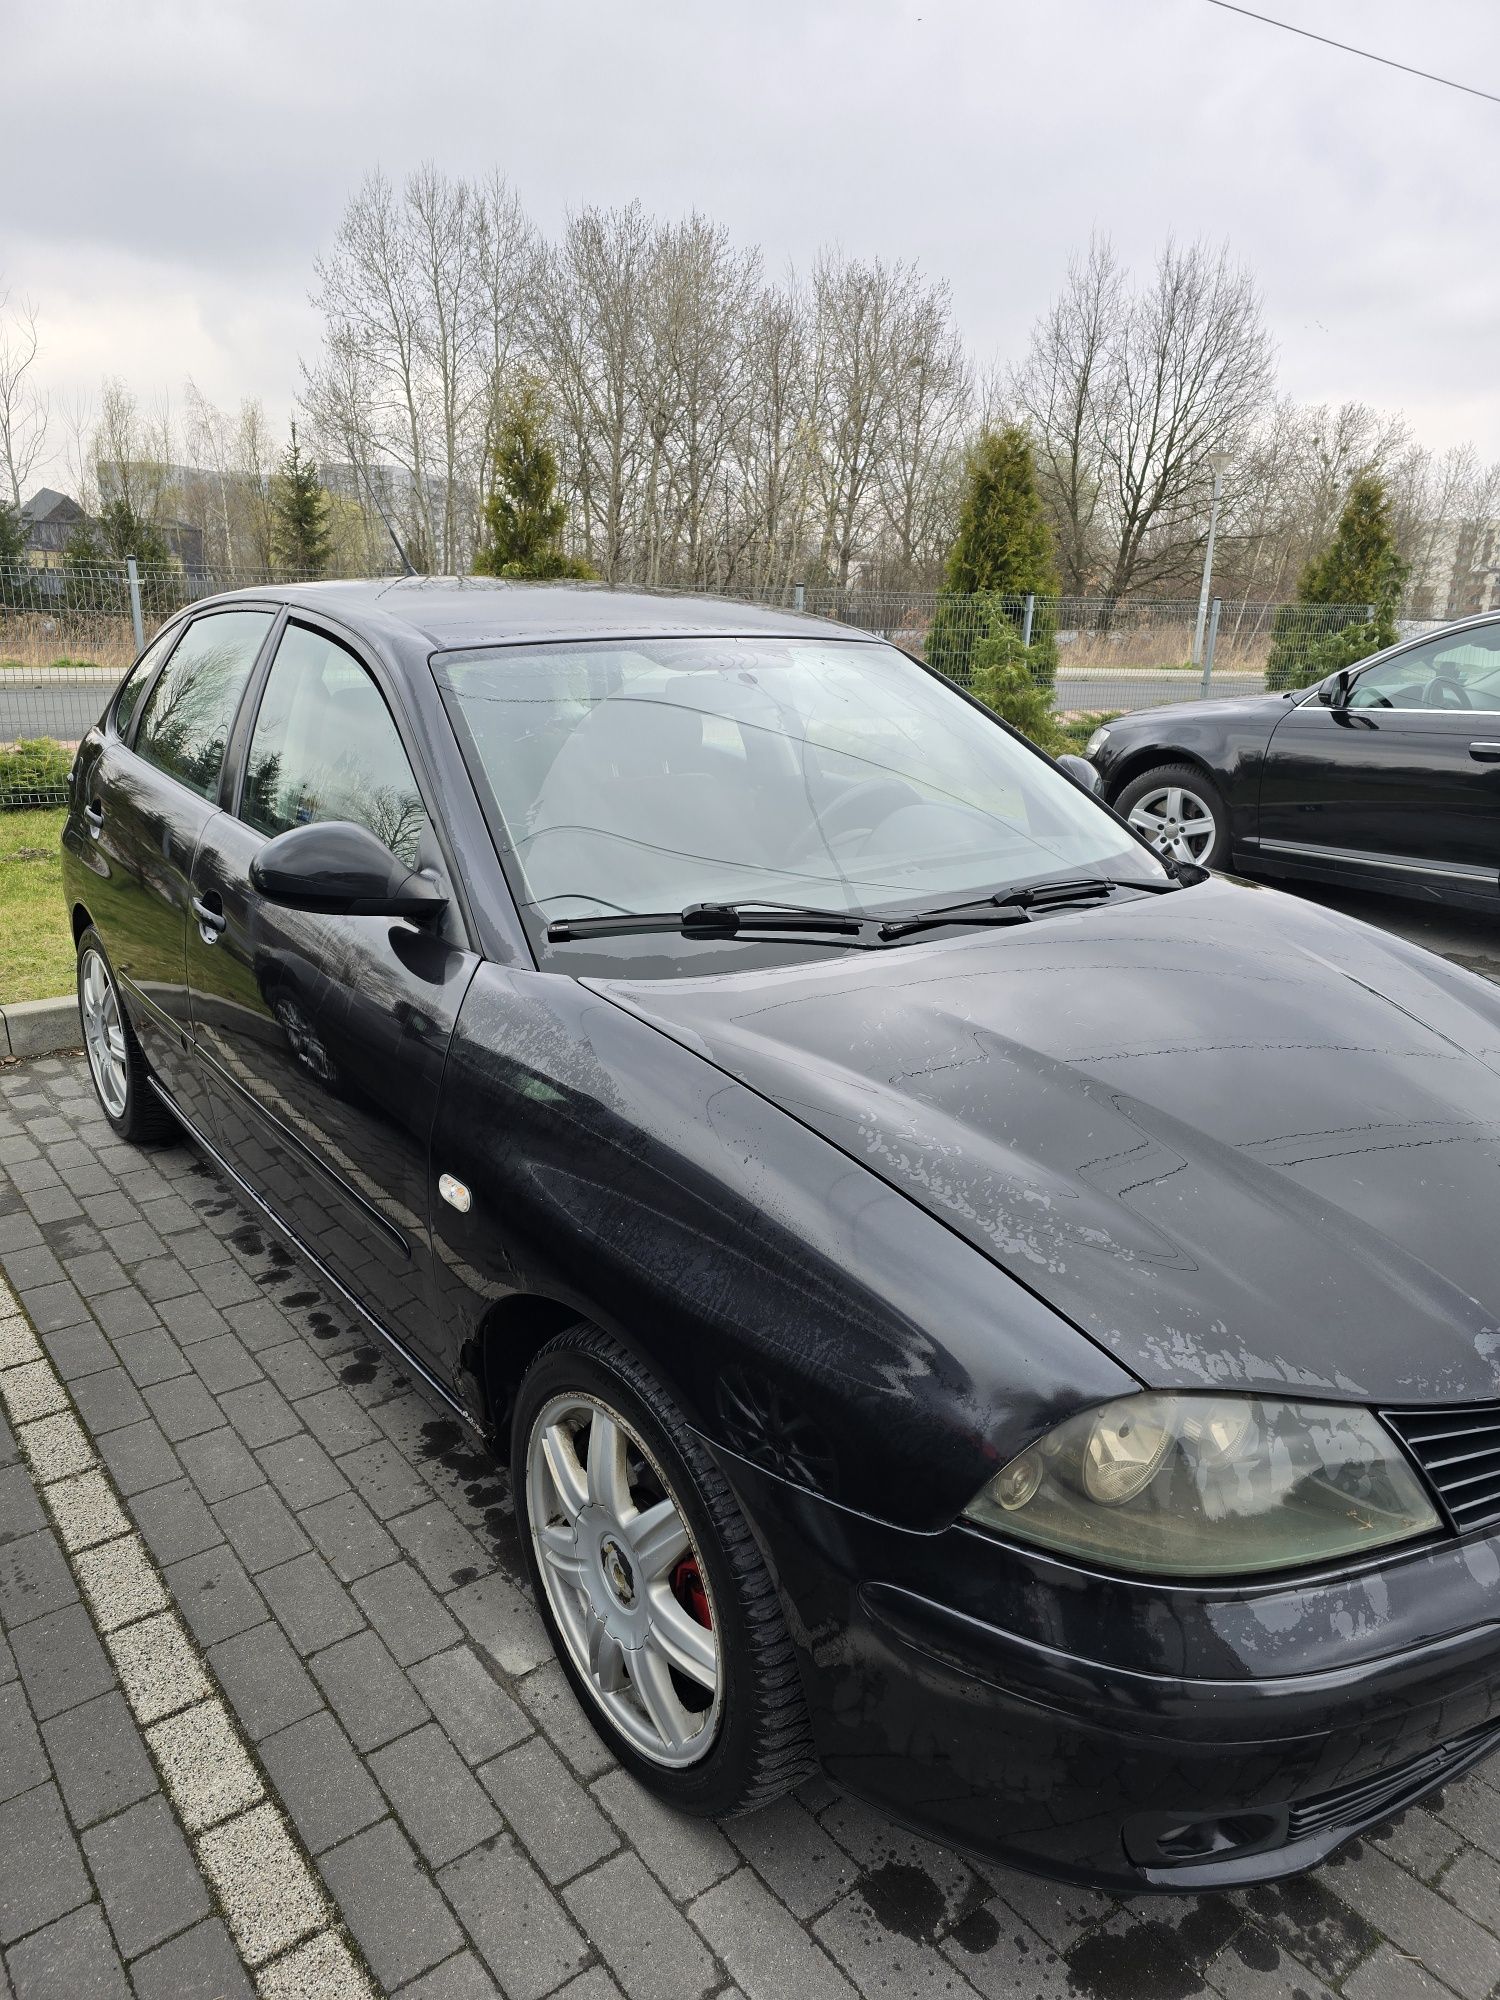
1095	744
1210	1486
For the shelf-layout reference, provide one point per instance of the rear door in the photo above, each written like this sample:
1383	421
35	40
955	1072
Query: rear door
323	1038
147	798
1402	783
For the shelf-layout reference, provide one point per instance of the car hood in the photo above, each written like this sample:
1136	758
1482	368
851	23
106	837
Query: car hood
1233	1138
1266	708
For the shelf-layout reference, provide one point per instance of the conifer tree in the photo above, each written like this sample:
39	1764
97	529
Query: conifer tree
524	516
1360	566
300	539
1003	550
12	538
16	581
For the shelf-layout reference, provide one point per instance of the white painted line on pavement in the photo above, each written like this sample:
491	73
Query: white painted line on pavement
283	1925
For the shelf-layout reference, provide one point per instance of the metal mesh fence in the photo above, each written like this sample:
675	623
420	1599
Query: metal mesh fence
1055	667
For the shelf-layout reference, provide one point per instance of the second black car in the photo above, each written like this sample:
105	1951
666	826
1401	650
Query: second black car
1385	776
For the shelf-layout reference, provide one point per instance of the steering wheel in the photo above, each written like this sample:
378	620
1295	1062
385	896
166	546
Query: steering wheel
1444	691
865	805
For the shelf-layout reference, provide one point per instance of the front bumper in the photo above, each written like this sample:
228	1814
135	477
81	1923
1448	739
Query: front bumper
1129	1735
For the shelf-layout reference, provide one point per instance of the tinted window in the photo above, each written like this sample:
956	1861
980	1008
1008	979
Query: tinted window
186	720
1459	672
325	747
137	678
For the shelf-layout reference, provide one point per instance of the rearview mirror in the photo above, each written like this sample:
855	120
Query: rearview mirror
337	869
1080	770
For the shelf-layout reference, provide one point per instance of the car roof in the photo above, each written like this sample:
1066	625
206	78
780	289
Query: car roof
458	612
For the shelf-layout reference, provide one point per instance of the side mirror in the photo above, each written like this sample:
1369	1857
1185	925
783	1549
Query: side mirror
334	868
1080	770
1334	692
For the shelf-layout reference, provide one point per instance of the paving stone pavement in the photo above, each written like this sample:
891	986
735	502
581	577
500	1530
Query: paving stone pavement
339	1564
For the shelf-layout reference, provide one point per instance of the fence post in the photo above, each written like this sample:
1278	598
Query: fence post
1208	647
1027	616
135	604
799	596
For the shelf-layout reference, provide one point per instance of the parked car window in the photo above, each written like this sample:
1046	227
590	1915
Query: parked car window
646	775
1460	671
325	747
139	675
186	720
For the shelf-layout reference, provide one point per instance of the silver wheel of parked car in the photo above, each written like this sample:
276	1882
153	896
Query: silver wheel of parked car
103	1032
1177	822
624	1579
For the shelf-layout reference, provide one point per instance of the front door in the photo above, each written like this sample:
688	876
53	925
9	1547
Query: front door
323	1038
151	793
1401	782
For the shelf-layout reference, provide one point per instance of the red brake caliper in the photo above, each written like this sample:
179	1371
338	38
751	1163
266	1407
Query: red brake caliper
687	1588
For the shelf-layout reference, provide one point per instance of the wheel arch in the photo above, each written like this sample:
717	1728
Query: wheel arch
1138	762
514	1331
81	921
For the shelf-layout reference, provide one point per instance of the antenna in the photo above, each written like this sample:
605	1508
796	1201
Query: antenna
406	561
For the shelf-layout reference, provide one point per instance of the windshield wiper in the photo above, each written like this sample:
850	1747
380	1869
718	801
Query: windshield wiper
709	920
1014	906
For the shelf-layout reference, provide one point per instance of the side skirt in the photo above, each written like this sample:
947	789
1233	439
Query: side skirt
242	1187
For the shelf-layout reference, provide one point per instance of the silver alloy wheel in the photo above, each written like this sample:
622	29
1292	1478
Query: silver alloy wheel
612	1569
103	1032
1175	821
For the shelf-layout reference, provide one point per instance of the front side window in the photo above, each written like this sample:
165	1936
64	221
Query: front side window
137	678
1459	672
325	747
187	716
645	775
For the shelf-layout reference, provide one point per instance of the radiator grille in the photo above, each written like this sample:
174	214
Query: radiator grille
1459	1450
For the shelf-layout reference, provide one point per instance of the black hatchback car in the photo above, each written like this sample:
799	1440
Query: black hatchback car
1385	776
967	1302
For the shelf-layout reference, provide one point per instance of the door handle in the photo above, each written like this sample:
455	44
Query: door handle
1485	753
211	918
93	813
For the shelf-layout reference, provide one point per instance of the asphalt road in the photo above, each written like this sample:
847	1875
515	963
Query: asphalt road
49	706
1102	692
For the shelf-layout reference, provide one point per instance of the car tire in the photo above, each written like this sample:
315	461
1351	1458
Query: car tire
1181	811
116	1064
628	1595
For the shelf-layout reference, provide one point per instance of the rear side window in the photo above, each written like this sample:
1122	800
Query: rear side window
186	720
140	673
325	747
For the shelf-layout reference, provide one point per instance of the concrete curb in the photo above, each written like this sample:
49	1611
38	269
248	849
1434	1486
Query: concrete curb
39	1027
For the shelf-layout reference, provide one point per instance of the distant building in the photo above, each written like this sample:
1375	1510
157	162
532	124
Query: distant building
48	518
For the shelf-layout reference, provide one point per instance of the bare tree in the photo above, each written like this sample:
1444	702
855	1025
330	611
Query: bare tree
1191	371
24	407
409	296
775	457
931	405
587	331
860	312
1065	393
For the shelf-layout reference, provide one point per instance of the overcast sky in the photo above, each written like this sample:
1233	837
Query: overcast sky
171	169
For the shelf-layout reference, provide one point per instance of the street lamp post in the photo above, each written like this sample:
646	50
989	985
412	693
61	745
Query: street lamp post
1220	461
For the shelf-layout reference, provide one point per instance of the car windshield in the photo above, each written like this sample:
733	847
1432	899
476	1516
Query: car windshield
646	775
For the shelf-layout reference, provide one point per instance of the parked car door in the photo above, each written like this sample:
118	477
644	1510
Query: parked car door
149	794
1403	778
323	1038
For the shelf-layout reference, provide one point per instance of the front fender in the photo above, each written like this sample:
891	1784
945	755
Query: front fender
811	1318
